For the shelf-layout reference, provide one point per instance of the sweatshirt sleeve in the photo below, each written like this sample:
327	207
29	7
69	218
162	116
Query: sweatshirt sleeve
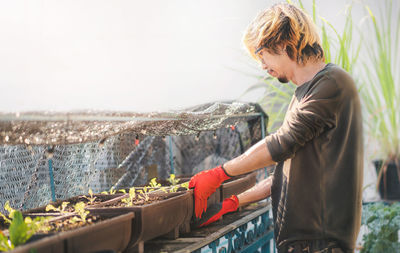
314	113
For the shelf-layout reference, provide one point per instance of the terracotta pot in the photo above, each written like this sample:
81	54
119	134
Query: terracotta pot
388	179
110	234
235	186
155	219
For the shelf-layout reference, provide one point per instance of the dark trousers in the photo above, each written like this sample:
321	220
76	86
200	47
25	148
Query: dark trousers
312	246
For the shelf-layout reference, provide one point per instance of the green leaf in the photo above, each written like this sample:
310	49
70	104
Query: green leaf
4	243
9	209
19	232
371	219
50	207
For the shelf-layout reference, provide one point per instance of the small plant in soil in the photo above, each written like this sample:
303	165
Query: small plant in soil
173	180
20	229
61	209
144	193
139	197
154	184
179	187
91	198
82	213
131	198
81	218
111	191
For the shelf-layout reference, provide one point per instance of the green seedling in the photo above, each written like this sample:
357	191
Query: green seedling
173	180
164	189
132	196
176	187
91	198
145	193
79	208
143	196
185	185
20	229
153	183
60	209
111	191
10	211
19	233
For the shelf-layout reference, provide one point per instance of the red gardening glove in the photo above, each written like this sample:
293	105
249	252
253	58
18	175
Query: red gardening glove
205	183
228	205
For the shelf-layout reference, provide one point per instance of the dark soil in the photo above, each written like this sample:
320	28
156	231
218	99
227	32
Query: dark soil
3	224
66	224
140	200
72	201
63	223
70	207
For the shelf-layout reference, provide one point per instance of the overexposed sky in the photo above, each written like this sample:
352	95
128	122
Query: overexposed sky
152	55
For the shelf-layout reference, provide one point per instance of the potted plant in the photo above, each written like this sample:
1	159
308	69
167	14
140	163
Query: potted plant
383	225
16	231
156	213
78	231
381	96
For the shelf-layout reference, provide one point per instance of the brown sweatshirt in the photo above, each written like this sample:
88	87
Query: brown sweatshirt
317	184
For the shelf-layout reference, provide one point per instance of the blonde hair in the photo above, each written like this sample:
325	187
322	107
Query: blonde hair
284	26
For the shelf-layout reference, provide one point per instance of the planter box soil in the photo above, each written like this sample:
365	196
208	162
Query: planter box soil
102	234
41	211
161	217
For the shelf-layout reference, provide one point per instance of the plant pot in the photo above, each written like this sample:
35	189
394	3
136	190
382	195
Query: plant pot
108	234
235	186
388	179
155	219
42	244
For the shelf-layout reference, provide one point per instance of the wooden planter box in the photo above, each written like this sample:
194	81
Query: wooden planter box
152	220
235	186
45	244
109	234
190	218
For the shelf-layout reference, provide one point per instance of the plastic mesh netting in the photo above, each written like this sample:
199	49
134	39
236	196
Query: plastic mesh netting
46	156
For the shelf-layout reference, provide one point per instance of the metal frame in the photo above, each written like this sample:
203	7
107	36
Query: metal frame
252	233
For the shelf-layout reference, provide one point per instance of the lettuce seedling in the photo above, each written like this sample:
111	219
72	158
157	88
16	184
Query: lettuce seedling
153	183
91	198
20	229
132	196
60	209
79	208
111	191
173	180
185	185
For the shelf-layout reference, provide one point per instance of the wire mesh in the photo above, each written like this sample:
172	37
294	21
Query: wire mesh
47	156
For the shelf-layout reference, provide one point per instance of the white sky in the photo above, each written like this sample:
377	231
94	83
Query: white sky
152	55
